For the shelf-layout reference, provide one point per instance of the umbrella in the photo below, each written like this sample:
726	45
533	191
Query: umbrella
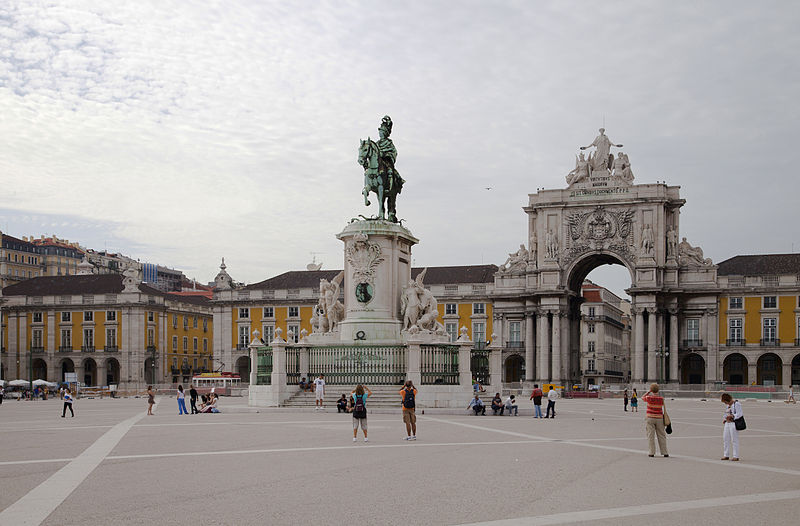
2	382
19	383
39	383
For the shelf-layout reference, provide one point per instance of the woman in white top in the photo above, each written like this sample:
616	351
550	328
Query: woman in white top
182	402
730	435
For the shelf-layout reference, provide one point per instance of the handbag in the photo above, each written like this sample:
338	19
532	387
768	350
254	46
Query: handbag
667	423
739	423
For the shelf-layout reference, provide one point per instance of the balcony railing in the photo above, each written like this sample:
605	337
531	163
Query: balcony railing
37	349
689	344
770	342
65	348
515	345
110	348
87	348
736	342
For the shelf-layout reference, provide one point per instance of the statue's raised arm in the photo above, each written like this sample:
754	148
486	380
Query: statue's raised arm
603	150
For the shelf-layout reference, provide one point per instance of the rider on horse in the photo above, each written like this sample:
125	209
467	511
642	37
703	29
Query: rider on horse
380	175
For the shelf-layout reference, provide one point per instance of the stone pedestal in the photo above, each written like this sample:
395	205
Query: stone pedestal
377	266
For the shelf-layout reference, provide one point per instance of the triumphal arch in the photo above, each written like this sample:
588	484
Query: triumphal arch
604	217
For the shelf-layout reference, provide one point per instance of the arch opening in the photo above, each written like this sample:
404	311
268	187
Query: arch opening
768	369
67	366
112	372
39	369
693	369
734	369
514	368
243	368
89	372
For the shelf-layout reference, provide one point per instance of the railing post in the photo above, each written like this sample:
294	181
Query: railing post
496	364
255	343
464	359
414	363
278	362
305	360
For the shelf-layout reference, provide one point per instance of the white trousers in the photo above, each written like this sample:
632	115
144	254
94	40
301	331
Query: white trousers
730	436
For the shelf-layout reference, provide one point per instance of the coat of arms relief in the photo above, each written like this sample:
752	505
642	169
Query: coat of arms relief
599	229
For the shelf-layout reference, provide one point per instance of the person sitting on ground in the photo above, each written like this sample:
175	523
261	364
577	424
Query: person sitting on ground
341	404
211	406
477	387
511	403
305	385
477	405
497	404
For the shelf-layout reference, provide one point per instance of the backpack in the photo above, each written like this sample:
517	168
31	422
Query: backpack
408	399
359	409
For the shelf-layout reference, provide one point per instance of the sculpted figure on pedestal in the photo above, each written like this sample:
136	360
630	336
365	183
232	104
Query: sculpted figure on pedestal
672	242
551	245
331	307
690	255
622	167
380	175
647	239
533	248
599	159
516	260
581	170
420	308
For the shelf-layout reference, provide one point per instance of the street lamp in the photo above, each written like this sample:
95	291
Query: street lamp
662	356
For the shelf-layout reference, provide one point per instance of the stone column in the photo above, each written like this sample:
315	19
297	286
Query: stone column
278	367
712	344
497	330
101	372
543	372
652	345
557	347
673	346
752	371
414	361
305	361
530	319
638	345
253	362
786	373
496	366
464	362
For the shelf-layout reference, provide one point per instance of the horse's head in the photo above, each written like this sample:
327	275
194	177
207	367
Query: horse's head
367	153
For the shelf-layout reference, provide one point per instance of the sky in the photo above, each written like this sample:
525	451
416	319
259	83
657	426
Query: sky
179	132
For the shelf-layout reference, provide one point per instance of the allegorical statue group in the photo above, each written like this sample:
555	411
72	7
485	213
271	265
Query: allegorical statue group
419	307
601	161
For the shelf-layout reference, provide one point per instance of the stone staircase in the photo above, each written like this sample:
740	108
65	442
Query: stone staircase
383	396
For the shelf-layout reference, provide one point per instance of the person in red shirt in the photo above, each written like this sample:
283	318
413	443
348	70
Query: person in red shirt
536	396
654	421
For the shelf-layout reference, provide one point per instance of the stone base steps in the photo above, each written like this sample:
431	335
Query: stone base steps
382	396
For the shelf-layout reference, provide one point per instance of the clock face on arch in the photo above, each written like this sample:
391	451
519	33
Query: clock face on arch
364	292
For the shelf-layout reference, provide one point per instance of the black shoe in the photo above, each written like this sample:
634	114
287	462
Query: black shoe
651	456
666	456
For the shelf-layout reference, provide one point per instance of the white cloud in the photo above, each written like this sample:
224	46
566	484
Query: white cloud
201	130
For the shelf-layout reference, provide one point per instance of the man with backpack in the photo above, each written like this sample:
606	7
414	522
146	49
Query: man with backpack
408	395
360	410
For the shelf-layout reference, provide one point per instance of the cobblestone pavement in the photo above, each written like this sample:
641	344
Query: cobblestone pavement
112	464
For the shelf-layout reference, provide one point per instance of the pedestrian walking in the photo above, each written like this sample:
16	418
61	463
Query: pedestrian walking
2	393
730	435
61	393
319	392
360	410
654	421
151	399
552	396
625	401
635	402
67	404
536	396
791	399
182	402
408	395
193	400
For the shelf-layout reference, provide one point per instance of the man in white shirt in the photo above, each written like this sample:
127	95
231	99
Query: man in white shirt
511	403
552	396
319	385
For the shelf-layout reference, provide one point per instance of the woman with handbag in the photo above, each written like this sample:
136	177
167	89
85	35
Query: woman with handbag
730	433
654	421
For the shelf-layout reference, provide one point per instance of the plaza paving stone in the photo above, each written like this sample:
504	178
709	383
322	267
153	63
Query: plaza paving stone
279	466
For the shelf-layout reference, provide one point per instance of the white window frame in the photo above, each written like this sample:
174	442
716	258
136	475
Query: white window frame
88	342
731	306
514	336
39	315
590	327
151	337
244	313
36	338
475	332
244	335
693	324
88	315
111	336
295	329
769	327
479	308
268	333
111	315
66	317
450	309
269	312
205	344
293	312
66	338
735	325
175	343
151	316
451	328
764	302
194	344
185	343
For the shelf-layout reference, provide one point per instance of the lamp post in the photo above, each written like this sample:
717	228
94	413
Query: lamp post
662	355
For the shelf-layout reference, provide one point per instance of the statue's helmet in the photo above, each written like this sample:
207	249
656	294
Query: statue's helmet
602	130
386	124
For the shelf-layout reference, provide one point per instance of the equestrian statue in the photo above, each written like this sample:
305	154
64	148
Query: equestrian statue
380	175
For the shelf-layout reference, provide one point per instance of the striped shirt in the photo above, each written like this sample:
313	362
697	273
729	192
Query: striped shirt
655	405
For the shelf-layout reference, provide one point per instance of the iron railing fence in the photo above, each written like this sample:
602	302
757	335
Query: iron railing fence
357	364
439	364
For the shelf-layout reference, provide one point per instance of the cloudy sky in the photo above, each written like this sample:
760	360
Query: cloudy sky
180	132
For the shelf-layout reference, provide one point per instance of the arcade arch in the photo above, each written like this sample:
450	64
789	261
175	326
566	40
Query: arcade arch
39	369
795	370
66	366
89	372
514	367
112	371
243	368
768	369
734	369
693	369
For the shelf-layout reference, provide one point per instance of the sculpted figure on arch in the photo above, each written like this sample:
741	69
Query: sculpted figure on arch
600	158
